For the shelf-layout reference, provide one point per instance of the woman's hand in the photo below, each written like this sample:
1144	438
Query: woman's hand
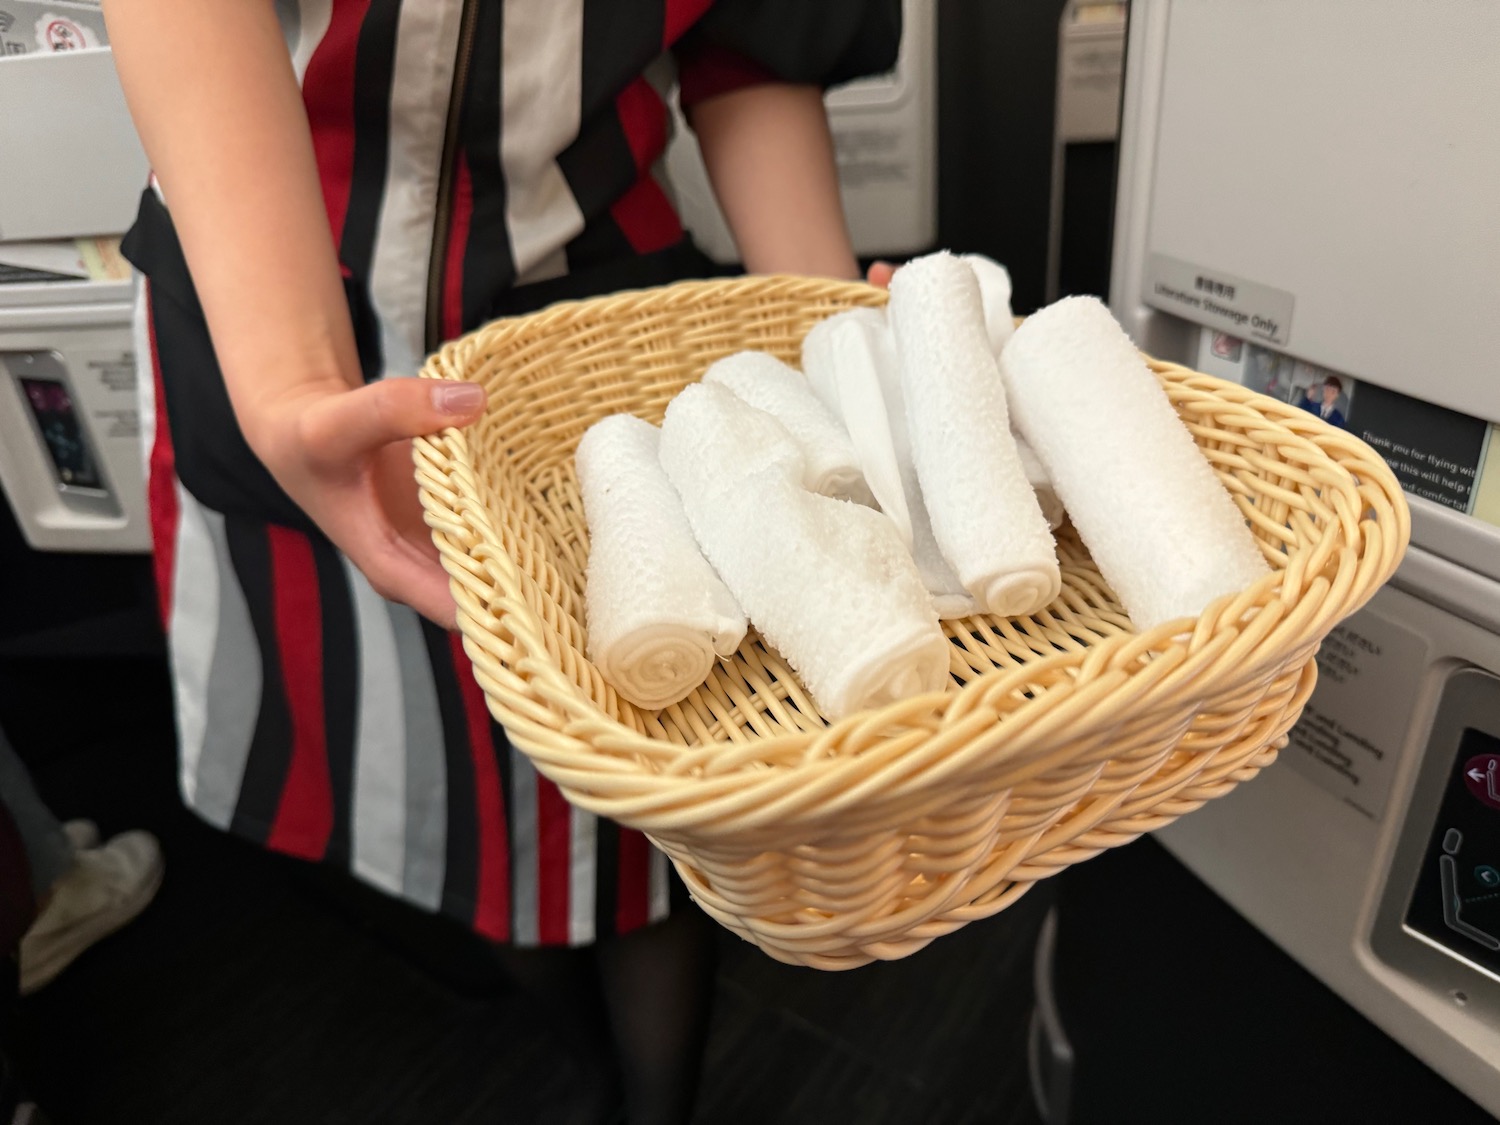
880	273
344	456
217	105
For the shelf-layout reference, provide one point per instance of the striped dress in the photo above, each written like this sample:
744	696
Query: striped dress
478	158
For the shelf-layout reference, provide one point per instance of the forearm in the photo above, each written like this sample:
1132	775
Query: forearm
213	95
770	159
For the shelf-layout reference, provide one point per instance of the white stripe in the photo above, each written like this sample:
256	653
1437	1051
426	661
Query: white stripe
315	16
379	820
421	78
541	92
426	765
145	375
660	898
524	856
235	680
583	855
216	665
193	627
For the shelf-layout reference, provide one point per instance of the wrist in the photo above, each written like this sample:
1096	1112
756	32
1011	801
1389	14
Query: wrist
270	416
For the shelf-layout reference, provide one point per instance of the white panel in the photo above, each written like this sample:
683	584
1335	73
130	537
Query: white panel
1348	153
72	163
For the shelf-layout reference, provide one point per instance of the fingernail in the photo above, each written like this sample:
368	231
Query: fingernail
458	398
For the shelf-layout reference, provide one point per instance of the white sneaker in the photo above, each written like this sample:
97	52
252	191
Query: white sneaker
82	834
107	887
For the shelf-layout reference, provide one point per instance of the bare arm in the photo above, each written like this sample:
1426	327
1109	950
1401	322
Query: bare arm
770	159
223	124
214	97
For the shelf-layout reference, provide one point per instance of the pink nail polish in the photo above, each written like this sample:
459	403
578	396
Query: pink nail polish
458	398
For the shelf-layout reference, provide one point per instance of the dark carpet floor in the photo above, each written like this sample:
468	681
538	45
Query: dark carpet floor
250	994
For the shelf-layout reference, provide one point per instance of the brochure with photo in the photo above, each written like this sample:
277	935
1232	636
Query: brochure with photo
1436	453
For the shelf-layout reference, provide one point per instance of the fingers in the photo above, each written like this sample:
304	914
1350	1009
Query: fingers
399	572
343	427
880	273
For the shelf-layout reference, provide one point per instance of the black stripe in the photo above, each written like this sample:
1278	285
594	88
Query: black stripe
505	760
341	672
374	66
599	165
599	168
213	460
489	268
461	861
601	242
621	38
271	746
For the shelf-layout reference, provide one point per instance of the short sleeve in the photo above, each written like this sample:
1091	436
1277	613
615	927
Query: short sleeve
821	42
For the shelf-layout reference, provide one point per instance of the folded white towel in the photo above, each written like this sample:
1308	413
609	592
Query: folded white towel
828	583
830	466
1041	483
985	516
841	358
994	294
657	612
1164	532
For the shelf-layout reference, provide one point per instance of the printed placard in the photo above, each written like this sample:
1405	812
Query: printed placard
1215	299
1349	736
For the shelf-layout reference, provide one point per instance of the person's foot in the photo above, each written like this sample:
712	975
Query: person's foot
106	888
82	834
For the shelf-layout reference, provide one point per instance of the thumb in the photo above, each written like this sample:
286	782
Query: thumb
345	426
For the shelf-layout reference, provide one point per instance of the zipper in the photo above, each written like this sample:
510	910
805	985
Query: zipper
437	262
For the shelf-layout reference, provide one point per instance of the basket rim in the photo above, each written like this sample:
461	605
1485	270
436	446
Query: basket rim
1266	609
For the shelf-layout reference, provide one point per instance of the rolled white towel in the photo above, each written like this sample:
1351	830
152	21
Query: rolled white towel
985	516
1164	532
949	597
994	294
841	359
829	584
1041	483
830	466
657	612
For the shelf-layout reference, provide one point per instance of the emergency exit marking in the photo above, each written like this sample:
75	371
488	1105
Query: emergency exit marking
1482	778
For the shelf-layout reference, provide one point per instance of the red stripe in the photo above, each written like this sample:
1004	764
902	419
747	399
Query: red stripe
161	484
644	213
492	895
681	15
328	95
644	119
458	242
554	861
632	909
304	816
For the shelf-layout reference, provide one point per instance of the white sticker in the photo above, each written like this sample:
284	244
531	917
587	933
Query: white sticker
1244	309
1350	734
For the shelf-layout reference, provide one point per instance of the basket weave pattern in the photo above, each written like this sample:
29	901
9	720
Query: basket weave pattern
1063	734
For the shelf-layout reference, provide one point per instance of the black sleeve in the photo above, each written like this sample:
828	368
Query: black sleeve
825	42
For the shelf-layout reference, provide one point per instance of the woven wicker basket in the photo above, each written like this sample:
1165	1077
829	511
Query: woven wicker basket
1063	734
